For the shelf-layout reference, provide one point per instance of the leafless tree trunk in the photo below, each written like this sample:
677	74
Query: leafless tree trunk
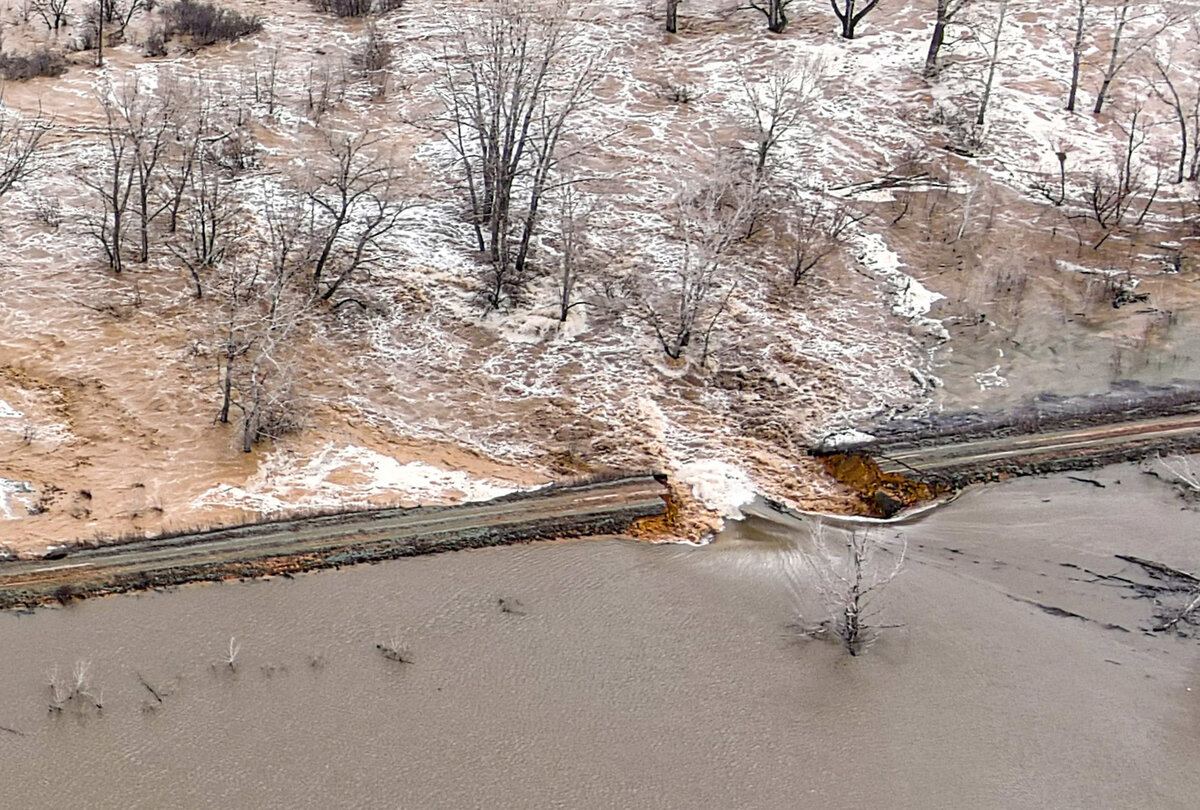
19	142
710	217
1122	48
354	207
1187	117
373	60
776	13
52	12
74	691
672	16
209	223
815	234
850	13
94	20
147	119
265	86
775	106
113	180
255	355
1112	196
1081	24
849	582
947	10
992	40
512	81
185	149
286	245
573	223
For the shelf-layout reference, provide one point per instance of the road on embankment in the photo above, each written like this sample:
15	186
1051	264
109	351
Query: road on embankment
1042	451
365	536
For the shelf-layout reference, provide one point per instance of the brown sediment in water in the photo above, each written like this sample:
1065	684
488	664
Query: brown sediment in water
629	671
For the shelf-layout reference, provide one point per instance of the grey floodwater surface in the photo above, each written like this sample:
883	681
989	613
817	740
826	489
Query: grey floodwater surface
630	675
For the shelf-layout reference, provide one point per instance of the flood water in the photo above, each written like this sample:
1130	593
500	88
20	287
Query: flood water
630	675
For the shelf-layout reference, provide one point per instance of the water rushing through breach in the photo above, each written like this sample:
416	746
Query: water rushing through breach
623	674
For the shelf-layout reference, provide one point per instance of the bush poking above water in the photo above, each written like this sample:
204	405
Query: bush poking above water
355	8
39	63
206	23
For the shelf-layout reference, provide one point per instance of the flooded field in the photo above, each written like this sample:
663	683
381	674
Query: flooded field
615	673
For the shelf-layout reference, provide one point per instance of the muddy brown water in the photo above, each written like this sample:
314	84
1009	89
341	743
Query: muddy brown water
632	675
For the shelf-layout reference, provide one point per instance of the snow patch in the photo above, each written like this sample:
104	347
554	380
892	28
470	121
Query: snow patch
9	412
721	487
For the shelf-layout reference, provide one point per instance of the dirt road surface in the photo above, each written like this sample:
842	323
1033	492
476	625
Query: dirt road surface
338	539
963	461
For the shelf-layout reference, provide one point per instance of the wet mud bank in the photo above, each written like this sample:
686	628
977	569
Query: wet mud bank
616	505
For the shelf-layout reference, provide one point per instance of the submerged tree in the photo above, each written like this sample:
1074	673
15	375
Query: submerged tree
991	39
850	13
709	217
19	143
112	178
574	220
947	10
1123	46
354	205
775	107
849	576
672	20
776	13
256	332
513	78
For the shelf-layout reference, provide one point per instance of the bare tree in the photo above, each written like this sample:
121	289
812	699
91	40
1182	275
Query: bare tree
113	179
1179	469
849	581
1186	111
265	82
94	25
75	690
775	107
147	119
991	38
815	233
326	89
1079	29
776	13
354	206
574	218
709	218
287	244
1111	196
513	78
210	223
256	361
373	60
19	142
186	145
850	13
1123	47
52	12
947	10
